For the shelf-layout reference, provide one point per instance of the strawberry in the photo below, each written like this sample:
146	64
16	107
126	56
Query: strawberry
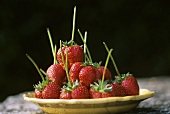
74	91
51	91
57	73
118	89
74	71
38	94
75	53
67	89
94	94
126	80
130	84
80	92
46	89
108	94
108	75
87	75
65	95
98	75
101	90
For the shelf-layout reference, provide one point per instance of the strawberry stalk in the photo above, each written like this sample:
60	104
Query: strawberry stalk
86	48
53	49
85	40
43	71
106	63
73	29
113	61
65	61
36	67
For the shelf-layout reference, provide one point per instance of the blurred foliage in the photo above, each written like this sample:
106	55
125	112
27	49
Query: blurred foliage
138	31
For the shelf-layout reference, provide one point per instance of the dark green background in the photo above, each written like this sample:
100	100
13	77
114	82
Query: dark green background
137	30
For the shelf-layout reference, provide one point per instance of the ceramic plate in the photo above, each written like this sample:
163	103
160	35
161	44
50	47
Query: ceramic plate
100	105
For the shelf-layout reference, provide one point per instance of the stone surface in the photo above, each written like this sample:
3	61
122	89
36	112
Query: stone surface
159	104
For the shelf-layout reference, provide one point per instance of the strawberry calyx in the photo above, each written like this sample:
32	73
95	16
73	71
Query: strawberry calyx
69	43
101	87
95	64
119	79
70	87
41	85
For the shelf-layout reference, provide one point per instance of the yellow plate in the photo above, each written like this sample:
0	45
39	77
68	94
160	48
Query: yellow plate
92	106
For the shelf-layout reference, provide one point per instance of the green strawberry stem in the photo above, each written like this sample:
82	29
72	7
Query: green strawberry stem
65	62
43	71
36	67
90	59
85	40
73	29
66	65
52	46
55	51
106	63
112	60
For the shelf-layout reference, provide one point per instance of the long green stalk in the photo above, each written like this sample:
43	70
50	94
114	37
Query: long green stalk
88	52
52	46
74	19
106	63
65	62
35	66
113	61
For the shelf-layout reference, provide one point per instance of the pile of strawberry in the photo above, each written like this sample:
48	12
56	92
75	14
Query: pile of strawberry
73	74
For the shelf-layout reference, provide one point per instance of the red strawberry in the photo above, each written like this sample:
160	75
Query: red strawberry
98	75
126	80
108	75
75	54
101	90
87	75
94	94
57	73
65	95
119	90
80	92
130	84
74	71
38	94
108	94
51	91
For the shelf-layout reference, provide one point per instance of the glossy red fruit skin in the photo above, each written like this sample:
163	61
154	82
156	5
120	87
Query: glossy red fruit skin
87	76
108	94
119	90
38	94
94	94
98	75
75	54
131	86
57	73
108	75
81	92
51	91
74	71
65	95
